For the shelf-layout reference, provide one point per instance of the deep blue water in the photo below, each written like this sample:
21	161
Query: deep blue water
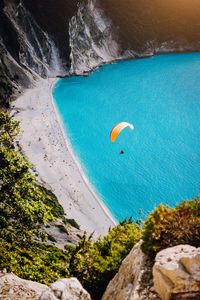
160	96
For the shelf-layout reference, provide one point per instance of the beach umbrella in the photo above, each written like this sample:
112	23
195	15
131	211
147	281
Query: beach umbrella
118	128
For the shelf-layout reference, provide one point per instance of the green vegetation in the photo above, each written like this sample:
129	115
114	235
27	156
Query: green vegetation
73	223
51	201
62	228
95	264
25	206
22	204
167	227
37	262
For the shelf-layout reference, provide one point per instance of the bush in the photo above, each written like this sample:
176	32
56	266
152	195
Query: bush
167	227
62	228
51	201
41	263
95	264
73	223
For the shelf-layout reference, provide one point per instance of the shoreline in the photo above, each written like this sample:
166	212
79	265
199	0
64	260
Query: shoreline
76	161
55	165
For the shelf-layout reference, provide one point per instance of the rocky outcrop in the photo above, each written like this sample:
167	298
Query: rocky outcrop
92	39
15	288
152	26
65	289
27	52
134	279
176	273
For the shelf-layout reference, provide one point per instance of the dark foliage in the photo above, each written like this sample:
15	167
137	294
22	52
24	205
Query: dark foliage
167	227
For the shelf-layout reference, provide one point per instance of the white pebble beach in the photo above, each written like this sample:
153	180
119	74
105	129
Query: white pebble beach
46	145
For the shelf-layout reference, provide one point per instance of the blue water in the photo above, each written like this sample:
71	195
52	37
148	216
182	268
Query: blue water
160	96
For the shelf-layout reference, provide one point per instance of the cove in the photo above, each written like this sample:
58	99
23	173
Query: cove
160	96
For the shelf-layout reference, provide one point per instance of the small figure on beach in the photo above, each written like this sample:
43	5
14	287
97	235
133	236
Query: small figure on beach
121	152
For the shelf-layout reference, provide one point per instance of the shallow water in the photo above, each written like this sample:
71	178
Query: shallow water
160	96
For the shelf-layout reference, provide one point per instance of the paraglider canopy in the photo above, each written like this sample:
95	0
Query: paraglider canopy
118	128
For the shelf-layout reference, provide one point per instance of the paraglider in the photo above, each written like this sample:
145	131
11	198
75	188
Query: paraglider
117	129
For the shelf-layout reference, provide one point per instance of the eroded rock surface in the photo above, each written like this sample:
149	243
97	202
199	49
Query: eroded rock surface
65	289
14	288
134	279
176	273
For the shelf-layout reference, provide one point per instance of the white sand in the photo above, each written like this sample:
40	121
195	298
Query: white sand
47	147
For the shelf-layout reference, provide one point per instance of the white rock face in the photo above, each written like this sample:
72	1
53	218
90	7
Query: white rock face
177	272
92	39
134	279
14	288
65	289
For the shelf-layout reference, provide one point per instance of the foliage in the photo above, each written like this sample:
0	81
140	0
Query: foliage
51	201
36	262
73	223
8	130
167	227
95	264
62	228
22	204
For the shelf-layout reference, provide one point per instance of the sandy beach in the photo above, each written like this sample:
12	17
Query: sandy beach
47	147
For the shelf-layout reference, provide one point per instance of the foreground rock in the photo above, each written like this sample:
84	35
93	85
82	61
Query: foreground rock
65	289
177	273
15	288
134	280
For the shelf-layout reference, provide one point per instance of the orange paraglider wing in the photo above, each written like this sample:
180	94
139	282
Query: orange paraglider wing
118	128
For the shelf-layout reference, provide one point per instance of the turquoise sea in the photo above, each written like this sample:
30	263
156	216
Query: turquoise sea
160	96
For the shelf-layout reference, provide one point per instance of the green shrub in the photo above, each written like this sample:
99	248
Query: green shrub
41	263
73	223
167	227
51	238
51	201
95	264
62	228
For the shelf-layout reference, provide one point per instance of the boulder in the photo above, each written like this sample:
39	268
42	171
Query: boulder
134	279
66	289
14	288
176	273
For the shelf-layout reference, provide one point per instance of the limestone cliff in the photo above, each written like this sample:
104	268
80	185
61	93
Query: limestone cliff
29	48
50	37
103	31
92	39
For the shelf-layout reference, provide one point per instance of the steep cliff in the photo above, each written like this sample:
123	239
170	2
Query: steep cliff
92	39
29	47
51	37
154	26
103	31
